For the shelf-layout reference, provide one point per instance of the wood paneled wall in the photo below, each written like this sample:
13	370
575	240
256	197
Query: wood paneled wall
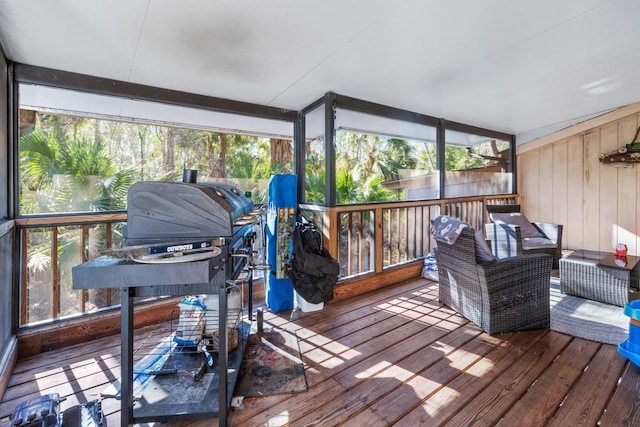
561	180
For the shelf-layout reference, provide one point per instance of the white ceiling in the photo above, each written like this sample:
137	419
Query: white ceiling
521	67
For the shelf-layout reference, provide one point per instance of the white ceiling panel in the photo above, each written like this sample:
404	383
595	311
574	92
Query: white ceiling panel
514	66
95	38
248	51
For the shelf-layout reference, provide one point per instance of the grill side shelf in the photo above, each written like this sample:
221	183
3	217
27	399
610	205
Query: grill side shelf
109	272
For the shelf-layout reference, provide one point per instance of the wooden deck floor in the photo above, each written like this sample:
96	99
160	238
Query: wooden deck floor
394	357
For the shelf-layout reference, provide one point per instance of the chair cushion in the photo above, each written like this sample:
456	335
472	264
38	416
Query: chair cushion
494	209
537	243
447	229
483	251
526	228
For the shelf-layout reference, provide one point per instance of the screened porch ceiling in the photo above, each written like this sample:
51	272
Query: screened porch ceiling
523	67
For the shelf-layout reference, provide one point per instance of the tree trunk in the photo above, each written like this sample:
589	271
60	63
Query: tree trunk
142	138
169	156
96	130
217	164
432	163
281	153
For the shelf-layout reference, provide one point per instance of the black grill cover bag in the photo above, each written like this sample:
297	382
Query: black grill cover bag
312	271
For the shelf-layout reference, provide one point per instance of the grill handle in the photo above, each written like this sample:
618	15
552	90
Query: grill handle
250	260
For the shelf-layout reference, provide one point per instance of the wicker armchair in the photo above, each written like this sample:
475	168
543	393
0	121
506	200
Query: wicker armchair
500	295
509	240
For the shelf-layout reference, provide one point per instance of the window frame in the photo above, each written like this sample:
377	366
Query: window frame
333	102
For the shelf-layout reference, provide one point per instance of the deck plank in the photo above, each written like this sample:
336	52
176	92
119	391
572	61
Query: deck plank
624	408
544	397
370	382
375	340
490	405
439	407
390	357
587	400
429	376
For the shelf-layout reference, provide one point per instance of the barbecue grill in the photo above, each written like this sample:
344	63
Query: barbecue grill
177	214
160	212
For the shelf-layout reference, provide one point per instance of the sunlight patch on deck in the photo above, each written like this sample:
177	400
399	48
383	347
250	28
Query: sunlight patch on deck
278	420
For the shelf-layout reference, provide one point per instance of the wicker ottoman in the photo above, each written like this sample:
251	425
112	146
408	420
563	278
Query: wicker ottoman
596	275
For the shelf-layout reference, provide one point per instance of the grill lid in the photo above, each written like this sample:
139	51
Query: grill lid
165	211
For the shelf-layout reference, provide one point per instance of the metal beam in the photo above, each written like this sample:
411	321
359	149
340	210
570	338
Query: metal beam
73	81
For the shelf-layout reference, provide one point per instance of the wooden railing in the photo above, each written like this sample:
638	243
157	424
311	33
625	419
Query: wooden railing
49	248
368	240
374	237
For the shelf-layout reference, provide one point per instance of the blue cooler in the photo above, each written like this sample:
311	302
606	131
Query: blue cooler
631	347
281	219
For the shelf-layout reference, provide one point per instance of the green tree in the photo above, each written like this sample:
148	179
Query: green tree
364	162
394	154
70	175
427	158
314	180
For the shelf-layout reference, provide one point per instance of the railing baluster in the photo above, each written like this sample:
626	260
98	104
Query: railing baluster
360	225
420	218
393	234
378	242
415	243
108	242
24	278
388	239
349	243
83	258
407	234
55	276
